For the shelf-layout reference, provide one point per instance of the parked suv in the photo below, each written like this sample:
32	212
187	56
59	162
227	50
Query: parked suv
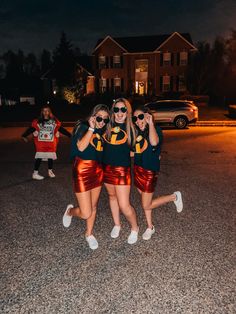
177	112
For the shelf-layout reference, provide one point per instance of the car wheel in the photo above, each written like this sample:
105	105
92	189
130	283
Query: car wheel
181	122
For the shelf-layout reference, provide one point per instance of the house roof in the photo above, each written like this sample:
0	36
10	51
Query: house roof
144	43
84	61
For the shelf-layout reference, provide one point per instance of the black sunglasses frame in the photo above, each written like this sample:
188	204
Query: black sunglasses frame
100	119
117	109
140	117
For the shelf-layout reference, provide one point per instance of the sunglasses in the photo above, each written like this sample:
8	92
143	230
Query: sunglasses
100	119
140	117
122	109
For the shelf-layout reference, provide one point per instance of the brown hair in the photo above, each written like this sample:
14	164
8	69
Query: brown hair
129	124
144	109
96	109
41	119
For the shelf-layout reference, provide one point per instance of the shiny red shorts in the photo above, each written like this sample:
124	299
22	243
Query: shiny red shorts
145	180
117	175
87	175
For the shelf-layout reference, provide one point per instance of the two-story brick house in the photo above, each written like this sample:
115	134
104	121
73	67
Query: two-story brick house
144	64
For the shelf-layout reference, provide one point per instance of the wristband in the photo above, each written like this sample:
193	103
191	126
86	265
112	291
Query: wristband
91	129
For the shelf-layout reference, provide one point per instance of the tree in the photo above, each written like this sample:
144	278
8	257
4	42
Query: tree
14	65
231	59
64	62
206	73
231	49
45	61
31	67
198	70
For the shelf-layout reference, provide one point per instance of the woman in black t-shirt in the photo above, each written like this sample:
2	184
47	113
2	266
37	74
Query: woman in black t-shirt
86	152
147	150
116	158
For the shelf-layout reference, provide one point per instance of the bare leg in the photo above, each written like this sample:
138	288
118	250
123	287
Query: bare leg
91	220
123	194
115	210
84	210
156	202
149	204
146	202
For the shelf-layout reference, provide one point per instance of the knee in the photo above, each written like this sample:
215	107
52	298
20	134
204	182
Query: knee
146	206
94	208
126	208
86	215
112	197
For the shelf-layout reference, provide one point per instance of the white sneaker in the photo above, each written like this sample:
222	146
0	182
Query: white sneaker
115	232
178	202
148	233
51	173
133	237
92	242
66	220
37	176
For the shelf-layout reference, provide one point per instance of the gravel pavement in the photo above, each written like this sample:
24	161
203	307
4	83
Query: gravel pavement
187	267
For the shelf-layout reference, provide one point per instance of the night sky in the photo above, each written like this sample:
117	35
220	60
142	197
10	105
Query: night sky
32	25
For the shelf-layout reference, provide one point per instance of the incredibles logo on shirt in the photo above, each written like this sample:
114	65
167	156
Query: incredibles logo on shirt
96	142
118	136
141	144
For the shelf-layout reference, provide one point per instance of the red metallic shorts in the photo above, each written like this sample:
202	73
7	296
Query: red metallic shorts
117	175
87	175
145	180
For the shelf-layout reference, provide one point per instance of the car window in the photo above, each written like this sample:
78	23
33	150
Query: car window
173	104
164	106
152	106
178	104
167	105
157	106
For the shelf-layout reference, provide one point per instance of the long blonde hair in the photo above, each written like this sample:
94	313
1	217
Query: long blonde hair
130	130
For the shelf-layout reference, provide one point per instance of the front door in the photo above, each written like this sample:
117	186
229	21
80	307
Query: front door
141	76
141	87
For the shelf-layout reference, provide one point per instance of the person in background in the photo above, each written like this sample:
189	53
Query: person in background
45	132
147	151
86	152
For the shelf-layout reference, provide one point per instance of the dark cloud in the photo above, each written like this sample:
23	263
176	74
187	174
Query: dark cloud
34	25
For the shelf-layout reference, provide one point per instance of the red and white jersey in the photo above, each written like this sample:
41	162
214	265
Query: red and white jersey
46	138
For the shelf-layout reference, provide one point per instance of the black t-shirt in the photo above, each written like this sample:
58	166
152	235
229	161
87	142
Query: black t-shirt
94	150
116	150
146	155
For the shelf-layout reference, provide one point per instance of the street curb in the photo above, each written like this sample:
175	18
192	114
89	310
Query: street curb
214	123
71	124
28	124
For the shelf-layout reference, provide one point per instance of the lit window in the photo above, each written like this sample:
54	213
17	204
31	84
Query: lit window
166	58
166	83
102	85
116	59
117	82
183	58
141	66
102	61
